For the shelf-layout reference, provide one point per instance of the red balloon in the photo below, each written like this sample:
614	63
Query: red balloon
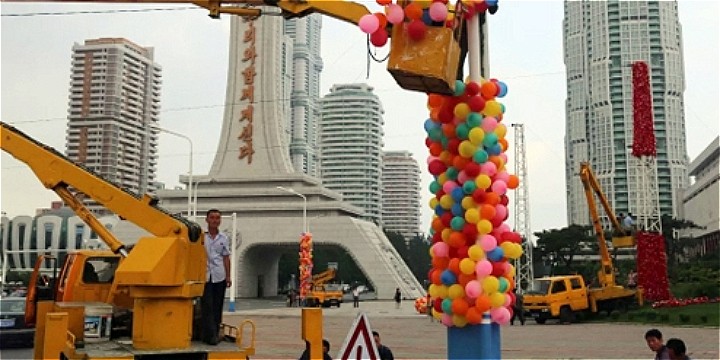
498	269
462	252
479	196
379	38
476	103
504	200
416	29
436	167
472	169
446	218
472	88
453	146
437	237
437	305
470	232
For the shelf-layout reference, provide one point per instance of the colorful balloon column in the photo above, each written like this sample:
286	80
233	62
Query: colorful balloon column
470	272
418	14
306	264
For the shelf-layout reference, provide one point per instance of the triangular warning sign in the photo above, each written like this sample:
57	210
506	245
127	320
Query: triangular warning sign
359	343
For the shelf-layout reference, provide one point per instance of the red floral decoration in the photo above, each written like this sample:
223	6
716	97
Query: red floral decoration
306	264
643	129
684	302
652	266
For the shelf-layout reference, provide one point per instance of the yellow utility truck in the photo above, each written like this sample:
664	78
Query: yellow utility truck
322	293
563	297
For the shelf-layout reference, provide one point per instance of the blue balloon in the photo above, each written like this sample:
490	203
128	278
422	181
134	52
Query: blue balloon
448	277
495	254
495	149
439	210
458	194
503	89
429	125
457	209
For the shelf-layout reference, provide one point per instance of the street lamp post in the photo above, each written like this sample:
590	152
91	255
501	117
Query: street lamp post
292	191
190	170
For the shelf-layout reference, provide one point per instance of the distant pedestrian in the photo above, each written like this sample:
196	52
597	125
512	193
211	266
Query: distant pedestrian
429	306
383	351
518	309
632	279
654	340
677	350
398	298
356	297
628	222
326	351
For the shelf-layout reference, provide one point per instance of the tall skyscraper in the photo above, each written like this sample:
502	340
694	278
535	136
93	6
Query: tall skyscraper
401	193
351	133
602	39
304	35
114	106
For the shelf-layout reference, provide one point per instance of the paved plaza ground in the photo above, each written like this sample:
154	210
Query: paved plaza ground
413	336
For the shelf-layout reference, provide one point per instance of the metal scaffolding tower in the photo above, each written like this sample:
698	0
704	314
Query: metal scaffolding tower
524	265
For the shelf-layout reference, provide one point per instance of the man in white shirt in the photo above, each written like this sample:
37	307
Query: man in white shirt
217	277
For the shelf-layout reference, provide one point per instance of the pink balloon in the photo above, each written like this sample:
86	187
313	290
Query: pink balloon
489	124
503	156
488	168
438	11
483	268
441	249
431	159
472	289
507	300
369	23
500	315
488	242
395	14
447	320
504	227
463	177
503	176
499	187
448	186
500	211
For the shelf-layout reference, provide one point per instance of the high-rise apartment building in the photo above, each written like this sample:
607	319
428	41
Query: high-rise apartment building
113	110
401	193
602	39
304	35
351	142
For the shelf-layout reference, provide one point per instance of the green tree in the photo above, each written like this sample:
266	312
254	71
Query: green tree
562	244
415	253
675	246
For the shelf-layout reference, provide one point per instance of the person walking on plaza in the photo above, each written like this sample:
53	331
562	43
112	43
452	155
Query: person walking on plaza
356	297
628	222
676	349
518	309
654	340
429	306
383	351
398	298
217	277
632	279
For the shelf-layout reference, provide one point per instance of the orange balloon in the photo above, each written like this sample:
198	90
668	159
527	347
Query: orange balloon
437	224
414	12
498	161
435	100
473	316
482	303
459	306
456	240
488	90
454	265
486	212
435	277
435	149
463	278
434	113
459	162
449	130
503	144
440	263
513	182
384	2
492	198
381	19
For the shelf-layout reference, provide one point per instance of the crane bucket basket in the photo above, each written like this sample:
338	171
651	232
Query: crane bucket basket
429	65
623	241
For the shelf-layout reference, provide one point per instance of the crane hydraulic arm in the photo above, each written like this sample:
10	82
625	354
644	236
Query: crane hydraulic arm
590	185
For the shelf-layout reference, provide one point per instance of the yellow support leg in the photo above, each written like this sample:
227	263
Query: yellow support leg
312	330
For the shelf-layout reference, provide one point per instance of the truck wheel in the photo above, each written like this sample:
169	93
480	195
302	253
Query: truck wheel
566	315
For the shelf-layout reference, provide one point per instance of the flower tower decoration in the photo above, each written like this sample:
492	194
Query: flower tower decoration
306	265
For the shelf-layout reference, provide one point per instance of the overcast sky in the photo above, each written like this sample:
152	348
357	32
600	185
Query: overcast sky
525	53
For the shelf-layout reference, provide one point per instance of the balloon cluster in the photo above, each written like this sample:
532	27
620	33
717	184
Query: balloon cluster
421	305
306	264
470	272
419	14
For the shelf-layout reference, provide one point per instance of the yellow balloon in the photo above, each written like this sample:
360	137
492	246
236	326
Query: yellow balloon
468	203
497	299
484	227
445	235
433	202
446	201
492	108
467	266
476	253
442	291
459	320
476	136
456	291
432	290
507	248
483	181
442	178
461	111
423	3
490	284
501	131
436	315
472	216
445	156
466	149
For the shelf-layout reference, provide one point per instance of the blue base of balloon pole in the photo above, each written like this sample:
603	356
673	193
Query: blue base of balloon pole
231	306
474	341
